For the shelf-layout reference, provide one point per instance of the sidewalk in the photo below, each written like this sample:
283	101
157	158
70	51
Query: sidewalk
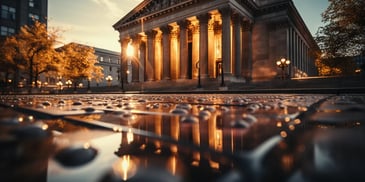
328	85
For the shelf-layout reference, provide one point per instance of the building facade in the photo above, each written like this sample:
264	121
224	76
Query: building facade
110	62
16	13
243	39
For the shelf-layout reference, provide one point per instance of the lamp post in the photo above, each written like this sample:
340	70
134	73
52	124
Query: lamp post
283	63
68	83
109	79
59	85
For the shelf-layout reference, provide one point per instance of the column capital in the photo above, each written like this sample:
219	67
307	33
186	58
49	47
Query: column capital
225	11
184	23
237	18
247	25
166	29
151	33
204	18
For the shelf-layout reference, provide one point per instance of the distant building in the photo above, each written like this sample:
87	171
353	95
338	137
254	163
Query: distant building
172	39
16	13
108	60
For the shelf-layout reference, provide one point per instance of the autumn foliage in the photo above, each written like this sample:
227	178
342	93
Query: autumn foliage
32	52
342	37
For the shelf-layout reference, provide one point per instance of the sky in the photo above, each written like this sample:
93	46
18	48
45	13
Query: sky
90	21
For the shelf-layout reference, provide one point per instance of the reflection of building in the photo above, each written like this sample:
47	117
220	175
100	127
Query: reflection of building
248	36
16	13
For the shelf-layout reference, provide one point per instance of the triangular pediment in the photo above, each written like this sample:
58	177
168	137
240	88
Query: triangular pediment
148	7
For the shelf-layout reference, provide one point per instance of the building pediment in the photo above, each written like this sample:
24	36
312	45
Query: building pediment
149	9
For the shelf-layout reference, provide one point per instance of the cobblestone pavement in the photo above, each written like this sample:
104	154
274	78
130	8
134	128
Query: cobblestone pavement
182	137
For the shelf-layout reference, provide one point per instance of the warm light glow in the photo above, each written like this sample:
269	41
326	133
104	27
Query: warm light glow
218	140
278	63
283	62
172	165
130	137
279	124
20	119
130	50
86	145
283	134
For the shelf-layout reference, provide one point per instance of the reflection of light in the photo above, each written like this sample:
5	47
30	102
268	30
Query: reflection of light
117	129
291	127
125	167
214	165
86	145
287	162
218	140
279	124
287	119
283	134
297	121
44	126
20	119
172	163
130	136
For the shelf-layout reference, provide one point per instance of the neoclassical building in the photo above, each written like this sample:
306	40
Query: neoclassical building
173	39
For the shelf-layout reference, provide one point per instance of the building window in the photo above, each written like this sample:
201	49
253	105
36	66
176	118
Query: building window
7	12
101	59
33	17
31	3
6	31
110	68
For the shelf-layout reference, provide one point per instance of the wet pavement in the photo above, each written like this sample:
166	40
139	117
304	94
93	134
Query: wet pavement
182	137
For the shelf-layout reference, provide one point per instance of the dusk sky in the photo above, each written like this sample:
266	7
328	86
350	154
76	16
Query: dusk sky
90	21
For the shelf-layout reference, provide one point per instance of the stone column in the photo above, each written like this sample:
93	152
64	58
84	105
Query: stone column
247	50
123	61
166	75
203	44
183	24
149	70
226	40
195	50
237	65
211	48
174	53
142	59
158	57
135	59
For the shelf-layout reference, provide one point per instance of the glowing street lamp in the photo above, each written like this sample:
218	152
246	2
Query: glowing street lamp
59	85
109	79
68	83
283	63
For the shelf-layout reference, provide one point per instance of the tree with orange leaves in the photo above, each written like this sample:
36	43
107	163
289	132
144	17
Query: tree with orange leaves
79	63
31	51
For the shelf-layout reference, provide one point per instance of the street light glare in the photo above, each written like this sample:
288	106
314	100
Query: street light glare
130	50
